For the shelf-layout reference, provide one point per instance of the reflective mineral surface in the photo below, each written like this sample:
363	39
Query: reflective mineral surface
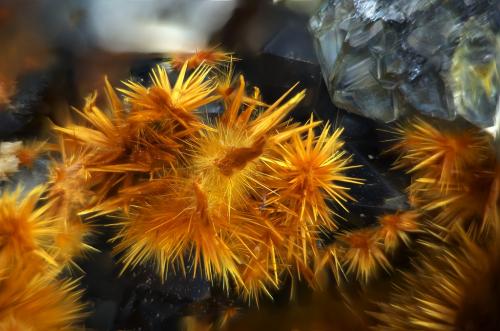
383	59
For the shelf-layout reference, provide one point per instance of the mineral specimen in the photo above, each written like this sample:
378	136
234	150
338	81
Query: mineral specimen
382	58
475	74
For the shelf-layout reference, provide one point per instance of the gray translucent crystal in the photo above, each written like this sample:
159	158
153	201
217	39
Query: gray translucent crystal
330	29
384	58
427	94
349	70
359	91
475	75
390	10
435	33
